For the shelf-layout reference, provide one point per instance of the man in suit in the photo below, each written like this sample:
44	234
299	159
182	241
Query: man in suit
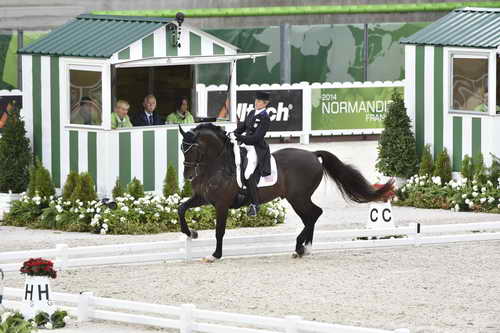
251	132
148	117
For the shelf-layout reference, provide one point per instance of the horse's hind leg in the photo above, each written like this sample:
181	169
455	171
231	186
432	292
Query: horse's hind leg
315	212
309	214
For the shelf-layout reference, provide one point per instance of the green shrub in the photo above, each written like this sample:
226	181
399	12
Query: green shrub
187	189
85	188
15	155
442	167
40	181
397	154
118	190
70	185
170	184
426	166
494	171
135	188
467	170
480	169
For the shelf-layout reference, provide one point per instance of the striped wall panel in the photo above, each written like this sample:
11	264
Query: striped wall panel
159	44
144	155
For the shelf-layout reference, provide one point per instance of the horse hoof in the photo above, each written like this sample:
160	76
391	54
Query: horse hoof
295	255
194	234
209	259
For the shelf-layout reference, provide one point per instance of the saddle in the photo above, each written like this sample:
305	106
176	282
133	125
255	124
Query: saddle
241	160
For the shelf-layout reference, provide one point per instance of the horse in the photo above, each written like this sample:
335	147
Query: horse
209	163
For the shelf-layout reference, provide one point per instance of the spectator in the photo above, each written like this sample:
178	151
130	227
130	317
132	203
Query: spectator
4	114
119	118
86	113
148	117
182	114
223	114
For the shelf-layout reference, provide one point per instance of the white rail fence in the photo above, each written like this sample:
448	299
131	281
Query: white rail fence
186	318
187	249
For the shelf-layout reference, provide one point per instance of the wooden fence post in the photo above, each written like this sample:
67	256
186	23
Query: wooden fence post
85	306
291	325
187	319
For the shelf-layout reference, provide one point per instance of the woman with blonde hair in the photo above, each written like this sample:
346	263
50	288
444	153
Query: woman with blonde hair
119	118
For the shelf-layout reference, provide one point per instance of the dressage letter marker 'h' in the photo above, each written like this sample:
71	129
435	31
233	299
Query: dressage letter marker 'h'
380	216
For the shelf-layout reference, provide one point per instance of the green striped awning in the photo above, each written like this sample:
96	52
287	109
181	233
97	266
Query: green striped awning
95	36
465	27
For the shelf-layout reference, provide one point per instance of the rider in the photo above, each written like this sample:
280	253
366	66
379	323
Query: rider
251	132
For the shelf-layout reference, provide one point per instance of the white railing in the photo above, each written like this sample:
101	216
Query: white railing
187	249
186	318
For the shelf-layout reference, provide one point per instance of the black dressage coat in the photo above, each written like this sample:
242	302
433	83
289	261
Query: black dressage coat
255	128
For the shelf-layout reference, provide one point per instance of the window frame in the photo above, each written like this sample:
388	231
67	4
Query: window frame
470	53
93	65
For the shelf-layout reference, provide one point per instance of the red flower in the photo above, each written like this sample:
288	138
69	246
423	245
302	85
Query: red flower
38	267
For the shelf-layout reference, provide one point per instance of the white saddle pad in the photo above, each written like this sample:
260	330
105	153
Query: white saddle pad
264	181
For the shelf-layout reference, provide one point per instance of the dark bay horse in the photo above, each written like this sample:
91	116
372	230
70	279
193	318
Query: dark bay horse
209	164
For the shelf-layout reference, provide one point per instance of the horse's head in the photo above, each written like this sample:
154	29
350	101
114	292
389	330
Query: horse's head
201	146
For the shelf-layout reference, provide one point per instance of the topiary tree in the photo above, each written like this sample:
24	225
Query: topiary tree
85	188
170	184
15	155
135	188
187	189
467	170
40	181
69	186
426	165
442	166
480	169
397	155
118	190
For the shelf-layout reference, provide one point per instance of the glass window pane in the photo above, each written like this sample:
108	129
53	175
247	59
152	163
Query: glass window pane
470	84
85	97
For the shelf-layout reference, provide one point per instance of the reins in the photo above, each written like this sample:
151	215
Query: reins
199	161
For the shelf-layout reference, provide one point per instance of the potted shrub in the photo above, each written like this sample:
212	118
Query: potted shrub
397	155
15	161
37	287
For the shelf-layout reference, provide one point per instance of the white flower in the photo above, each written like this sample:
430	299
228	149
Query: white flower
498	206
67	320
80	204
482	200
464	196
422	183
105	226
103	231
81	216
475	194
467	201
197	209
457	208
48	326
474	181
483	189
157	215
491	200
489	183
471	204
125	208
123	219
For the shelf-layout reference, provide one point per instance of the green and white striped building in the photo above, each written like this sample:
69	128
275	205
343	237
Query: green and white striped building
451	84
101	43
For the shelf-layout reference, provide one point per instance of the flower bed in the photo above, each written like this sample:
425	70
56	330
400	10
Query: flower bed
150	214
11	321
457	195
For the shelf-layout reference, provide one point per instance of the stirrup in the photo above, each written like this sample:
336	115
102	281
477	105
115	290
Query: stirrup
253	210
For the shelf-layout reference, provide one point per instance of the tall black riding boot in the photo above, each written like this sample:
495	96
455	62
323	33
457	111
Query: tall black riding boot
253	209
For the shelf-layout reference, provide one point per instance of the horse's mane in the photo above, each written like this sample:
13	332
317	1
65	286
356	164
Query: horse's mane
219	132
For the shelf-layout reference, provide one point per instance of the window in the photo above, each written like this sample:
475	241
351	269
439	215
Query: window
85	97
470	83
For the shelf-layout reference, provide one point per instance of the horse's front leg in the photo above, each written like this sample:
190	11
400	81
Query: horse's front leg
194	201
220	230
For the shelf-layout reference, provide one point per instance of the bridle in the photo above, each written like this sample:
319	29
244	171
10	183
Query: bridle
187	146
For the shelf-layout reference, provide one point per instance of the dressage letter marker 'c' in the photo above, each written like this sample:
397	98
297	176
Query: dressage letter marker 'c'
380	216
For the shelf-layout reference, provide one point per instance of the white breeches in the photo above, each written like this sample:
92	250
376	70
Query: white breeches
252	161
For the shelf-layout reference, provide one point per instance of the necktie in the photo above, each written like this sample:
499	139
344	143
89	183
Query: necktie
150	120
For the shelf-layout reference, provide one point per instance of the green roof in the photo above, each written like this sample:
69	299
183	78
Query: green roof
465	27
95	36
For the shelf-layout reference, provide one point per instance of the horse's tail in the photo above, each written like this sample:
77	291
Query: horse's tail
350	181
